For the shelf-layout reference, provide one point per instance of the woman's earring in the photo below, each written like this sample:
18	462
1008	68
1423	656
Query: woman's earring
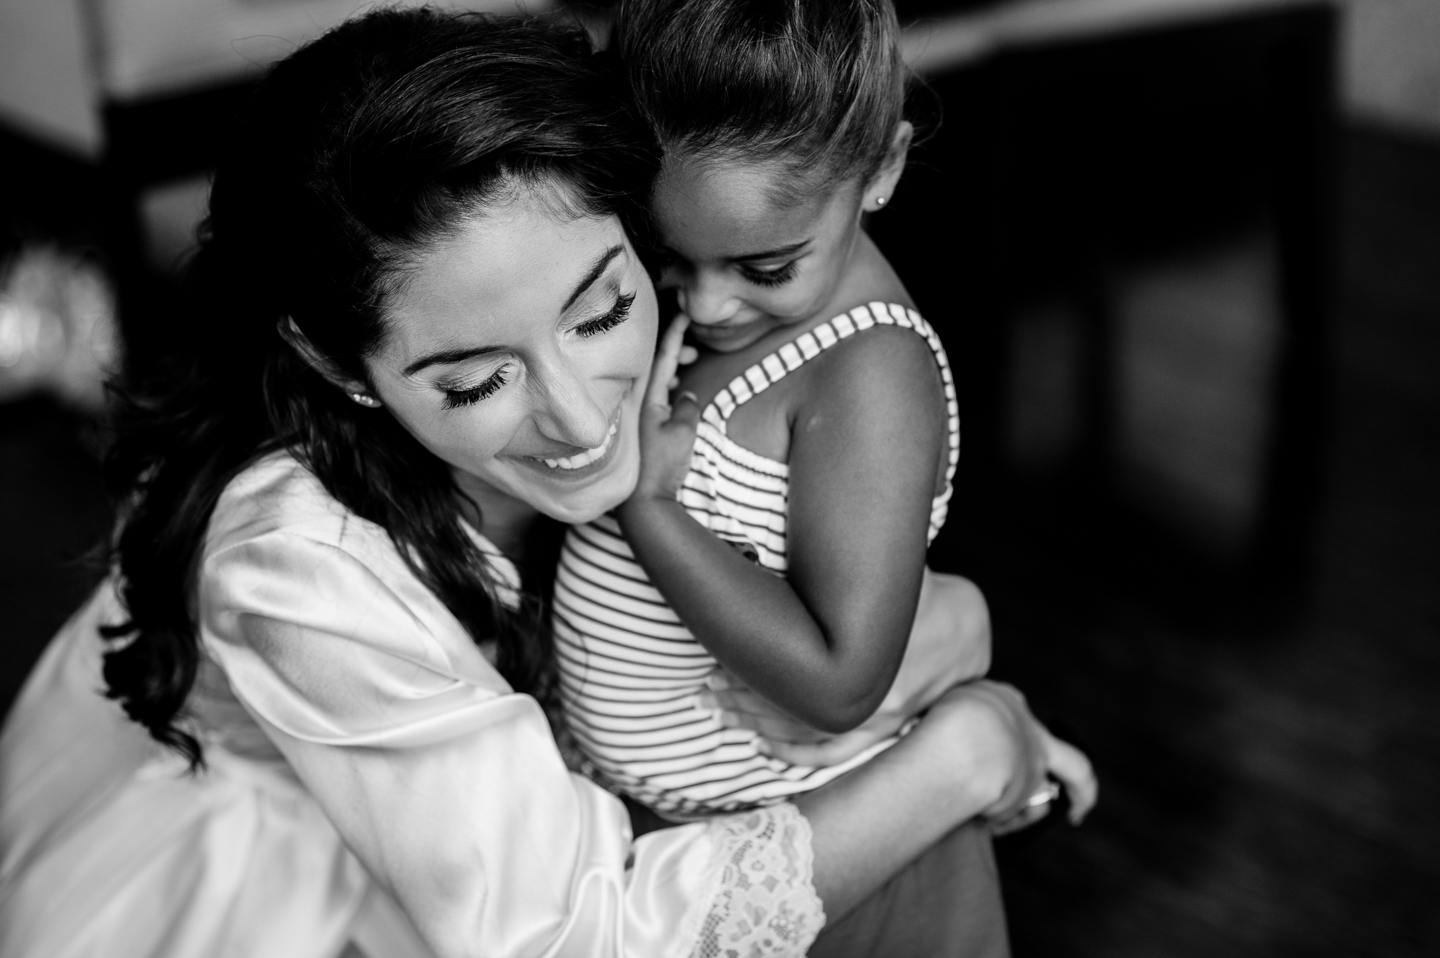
880	200
366	400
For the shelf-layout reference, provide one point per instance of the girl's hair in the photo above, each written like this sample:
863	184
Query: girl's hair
818	84
355	155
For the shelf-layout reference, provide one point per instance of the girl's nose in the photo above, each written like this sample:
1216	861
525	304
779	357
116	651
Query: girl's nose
707	301
568	409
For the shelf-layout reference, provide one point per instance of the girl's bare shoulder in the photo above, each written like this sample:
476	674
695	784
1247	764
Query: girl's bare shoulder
886	365
886	359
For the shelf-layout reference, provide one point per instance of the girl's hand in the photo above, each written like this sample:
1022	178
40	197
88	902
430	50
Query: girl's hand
667	433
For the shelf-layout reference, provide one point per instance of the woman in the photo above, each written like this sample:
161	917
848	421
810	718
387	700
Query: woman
420	312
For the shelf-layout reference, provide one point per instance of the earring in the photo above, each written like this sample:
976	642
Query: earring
880	200
366	400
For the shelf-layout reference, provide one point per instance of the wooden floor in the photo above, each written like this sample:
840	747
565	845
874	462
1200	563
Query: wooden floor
1271	785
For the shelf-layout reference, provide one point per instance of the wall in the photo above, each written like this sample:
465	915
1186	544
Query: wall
58	57
1392	62
154	47
46	85
1391	55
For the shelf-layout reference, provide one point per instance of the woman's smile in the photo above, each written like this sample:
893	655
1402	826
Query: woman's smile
586	463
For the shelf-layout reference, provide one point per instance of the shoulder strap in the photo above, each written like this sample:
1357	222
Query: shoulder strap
812	343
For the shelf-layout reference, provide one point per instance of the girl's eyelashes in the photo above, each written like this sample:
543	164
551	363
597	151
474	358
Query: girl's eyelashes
457	396
617	315
770	277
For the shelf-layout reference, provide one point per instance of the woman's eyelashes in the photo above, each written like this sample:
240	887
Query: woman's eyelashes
617	315
770	276
457	396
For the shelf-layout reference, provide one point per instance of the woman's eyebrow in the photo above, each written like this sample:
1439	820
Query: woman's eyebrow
444	356
779	251
448	356
595	271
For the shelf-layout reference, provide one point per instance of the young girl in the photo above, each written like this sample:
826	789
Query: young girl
785	504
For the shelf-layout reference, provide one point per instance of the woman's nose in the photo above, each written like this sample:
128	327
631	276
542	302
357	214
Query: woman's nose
707	300
569	411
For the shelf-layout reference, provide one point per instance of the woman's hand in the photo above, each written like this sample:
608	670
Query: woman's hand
667	433
1072	769
1038	758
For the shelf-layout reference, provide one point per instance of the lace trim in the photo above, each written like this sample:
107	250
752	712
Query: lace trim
764	904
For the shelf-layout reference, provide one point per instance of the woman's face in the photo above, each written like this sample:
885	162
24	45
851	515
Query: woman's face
517	351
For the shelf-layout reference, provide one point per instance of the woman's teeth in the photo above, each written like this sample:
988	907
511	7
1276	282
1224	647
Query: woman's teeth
582	459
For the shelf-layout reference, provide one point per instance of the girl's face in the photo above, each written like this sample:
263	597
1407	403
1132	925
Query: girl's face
744	258
517	351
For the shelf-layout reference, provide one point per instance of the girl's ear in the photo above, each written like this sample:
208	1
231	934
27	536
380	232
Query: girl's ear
297	340
882	185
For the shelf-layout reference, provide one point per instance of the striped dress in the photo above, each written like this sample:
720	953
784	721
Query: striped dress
631	672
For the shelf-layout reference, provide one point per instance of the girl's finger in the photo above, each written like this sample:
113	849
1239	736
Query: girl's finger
720	679
686	410
667	361
775	730
741	701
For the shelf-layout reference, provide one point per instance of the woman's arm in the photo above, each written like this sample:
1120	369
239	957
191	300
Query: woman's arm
977	752
451	792
446	785
824	643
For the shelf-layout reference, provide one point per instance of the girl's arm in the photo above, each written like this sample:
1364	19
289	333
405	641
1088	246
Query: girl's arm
825	643
949	644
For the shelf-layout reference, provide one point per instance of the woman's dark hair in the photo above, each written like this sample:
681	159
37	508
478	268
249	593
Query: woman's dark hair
818	84
355	154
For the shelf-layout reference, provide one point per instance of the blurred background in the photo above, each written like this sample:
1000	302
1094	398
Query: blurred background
1185	255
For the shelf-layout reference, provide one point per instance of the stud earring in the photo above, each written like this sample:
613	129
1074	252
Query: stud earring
880	200
366	400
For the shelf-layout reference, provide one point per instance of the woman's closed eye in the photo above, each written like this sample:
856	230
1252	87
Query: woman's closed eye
769	275
461	395
616	315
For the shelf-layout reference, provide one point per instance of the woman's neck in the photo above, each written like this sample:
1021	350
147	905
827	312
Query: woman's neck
503	519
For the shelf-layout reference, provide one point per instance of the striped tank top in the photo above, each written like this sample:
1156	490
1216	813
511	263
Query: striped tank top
630	672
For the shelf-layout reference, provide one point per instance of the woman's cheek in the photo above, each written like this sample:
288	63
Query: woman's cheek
648	314
469	437
636	350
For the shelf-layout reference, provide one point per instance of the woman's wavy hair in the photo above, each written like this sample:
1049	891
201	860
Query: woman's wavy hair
819	84
352	157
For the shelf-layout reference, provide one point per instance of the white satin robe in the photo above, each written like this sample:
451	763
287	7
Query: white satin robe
361	752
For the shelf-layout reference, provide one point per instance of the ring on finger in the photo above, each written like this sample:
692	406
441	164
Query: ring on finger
1047	794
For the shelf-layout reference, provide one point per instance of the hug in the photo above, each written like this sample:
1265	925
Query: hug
464	604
